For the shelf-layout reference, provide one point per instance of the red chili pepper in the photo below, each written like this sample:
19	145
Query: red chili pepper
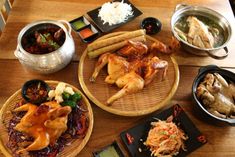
53	154
83	125
129	138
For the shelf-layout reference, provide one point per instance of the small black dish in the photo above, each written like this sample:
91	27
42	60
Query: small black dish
79	23
92	37
106	27
203	71
151	25
114	145
140	133
31	90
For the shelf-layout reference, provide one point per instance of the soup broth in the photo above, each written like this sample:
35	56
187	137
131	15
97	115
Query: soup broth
43	38
216	30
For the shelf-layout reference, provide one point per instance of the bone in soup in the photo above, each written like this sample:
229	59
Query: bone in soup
200	31
43	39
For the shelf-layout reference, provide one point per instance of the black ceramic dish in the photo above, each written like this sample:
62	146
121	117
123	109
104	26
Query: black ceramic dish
106	27
38	84
140	133
151	25
82	19
115	145
228	75
90	38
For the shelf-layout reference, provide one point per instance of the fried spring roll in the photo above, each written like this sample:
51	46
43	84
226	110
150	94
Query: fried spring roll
114	47
115	39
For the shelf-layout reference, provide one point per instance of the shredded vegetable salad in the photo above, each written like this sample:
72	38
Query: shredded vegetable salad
165	139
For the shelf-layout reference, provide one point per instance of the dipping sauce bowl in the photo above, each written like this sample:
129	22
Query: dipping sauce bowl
35	91
79	23
88	33
151	25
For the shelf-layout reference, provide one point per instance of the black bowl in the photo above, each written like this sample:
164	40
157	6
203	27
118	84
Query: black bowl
228	75
35	85
151	25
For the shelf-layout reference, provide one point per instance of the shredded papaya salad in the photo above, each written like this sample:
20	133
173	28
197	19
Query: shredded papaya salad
165	139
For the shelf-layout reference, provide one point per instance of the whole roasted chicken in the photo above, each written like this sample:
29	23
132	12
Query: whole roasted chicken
45	123
132	67
217	95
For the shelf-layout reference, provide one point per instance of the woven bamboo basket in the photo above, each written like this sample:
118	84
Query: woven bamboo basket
68	151
153	97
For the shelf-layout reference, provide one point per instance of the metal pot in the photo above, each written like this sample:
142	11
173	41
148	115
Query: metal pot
50	62
186	10
203	71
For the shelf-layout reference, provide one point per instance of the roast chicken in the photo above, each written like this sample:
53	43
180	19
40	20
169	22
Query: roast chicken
45	123
132	67
217	95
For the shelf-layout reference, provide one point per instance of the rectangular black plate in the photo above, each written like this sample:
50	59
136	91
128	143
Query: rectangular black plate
106	27
194	141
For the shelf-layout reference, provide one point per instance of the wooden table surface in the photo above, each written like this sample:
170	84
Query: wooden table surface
107	127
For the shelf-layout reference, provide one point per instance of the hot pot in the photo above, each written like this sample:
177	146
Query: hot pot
203	71
182	10
49	62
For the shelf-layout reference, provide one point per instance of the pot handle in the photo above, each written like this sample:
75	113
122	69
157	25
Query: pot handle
231	122
68	25
218	55
206	68
19	55
180	6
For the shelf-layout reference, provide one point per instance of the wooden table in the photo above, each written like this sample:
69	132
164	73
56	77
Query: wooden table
107	127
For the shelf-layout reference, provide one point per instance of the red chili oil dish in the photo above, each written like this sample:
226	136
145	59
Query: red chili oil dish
43	39
35	91
85	33
77	126
88	33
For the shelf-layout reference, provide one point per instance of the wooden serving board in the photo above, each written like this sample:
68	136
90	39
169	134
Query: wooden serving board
151	98
68	151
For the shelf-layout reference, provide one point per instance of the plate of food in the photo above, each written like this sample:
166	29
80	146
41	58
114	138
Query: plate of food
142	76
213	91
45	118
113	14
169	133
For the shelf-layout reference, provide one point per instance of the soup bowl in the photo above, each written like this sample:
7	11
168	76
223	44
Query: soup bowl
203	71
52	61
183	10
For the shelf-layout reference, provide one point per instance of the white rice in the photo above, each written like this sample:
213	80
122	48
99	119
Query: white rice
115	12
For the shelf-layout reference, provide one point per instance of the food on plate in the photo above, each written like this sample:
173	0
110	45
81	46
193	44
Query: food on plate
45	129
44	39
113	47
115	12
151	25
130	139
217	95
113	43
165	138
78	24
132	67
199	31
87	32
35	91
44	123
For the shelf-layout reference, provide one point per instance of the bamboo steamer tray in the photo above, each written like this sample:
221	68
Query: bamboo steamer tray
153	97
69	151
